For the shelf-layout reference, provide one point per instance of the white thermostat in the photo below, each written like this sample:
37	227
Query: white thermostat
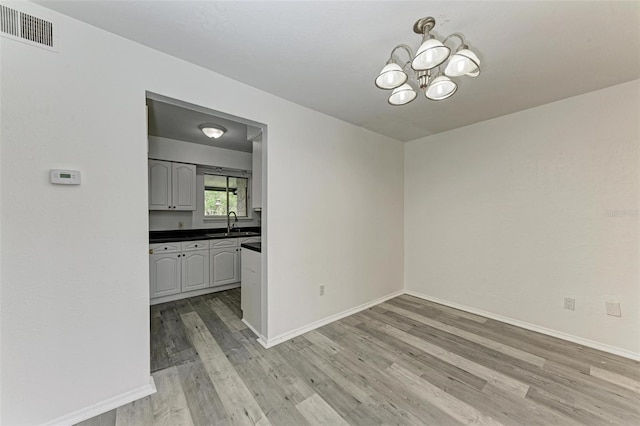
65	177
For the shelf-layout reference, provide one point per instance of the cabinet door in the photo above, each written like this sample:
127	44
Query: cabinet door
250	289
183	186
240	242
224	266
195	270
159	185
164	274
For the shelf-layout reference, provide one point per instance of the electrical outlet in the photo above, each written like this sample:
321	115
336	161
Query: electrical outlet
613	308
321	289
570	303
180	225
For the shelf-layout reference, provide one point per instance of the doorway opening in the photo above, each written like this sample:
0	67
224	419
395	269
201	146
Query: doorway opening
207	224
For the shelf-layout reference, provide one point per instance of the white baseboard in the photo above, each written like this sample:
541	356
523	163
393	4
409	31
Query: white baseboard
298	331
549	332
106	405
260	338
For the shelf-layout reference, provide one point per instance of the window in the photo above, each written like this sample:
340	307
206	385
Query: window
224	194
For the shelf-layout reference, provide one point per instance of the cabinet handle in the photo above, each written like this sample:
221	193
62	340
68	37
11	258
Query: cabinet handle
150	251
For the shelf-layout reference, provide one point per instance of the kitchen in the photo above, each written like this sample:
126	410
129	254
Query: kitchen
205	206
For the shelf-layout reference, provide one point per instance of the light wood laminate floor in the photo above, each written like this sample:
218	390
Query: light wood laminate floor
406	361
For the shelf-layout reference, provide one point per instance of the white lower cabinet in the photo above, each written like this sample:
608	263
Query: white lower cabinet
195	270
164	274
224	266
242	241
187	266
251	289
178	267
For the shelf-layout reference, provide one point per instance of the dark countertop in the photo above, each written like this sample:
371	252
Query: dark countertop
253	246
199	234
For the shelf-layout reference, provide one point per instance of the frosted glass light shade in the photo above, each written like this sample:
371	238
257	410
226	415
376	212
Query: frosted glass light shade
463	62
402	95
213	132
440	88
430	54
391	77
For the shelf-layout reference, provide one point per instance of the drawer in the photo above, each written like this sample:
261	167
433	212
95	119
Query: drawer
164	248
226	242
249	240
195	245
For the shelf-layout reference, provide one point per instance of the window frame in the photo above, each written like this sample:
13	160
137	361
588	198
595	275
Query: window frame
227	174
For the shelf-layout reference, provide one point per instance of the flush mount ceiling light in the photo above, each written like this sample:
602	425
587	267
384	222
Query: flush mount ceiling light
419	72
212	131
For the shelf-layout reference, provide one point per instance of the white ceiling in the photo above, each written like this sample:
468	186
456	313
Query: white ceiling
180	123
325	55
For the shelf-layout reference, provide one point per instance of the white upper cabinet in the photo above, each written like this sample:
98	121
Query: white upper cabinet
256	178
159	185
172	186
184	186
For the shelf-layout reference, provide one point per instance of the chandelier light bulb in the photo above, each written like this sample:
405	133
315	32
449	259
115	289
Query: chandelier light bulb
463	62
430	54
402	95
391	77
441	88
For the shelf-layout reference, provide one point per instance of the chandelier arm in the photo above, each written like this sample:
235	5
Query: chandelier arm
459	36
405	48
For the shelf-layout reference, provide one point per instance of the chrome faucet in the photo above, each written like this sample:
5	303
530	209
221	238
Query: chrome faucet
229	226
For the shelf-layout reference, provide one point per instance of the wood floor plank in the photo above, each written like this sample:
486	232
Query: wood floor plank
104	419
318	412
508	350
203	400
491	376
227	316
272	389
137	413
616	379
322	343
237	399
283	379
533	343
169	403
394	391
454	407
421	362
159	356
223	336
178	346
592	415
526	410
318	379
442	308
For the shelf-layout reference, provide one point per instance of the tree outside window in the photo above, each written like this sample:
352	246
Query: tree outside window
224	194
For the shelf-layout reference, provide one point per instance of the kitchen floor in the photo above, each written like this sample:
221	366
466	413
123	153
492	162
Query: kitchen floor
406	361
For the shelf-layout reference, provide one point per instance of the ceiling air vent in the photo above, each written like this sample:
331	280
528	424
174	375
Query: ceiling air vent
27	28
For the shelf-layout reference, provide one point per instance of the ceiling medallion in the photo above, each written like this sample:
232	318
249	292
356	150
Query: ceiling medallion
423	71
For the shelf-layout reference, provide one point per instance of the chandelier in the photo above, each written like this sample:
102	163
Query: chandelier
424	70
